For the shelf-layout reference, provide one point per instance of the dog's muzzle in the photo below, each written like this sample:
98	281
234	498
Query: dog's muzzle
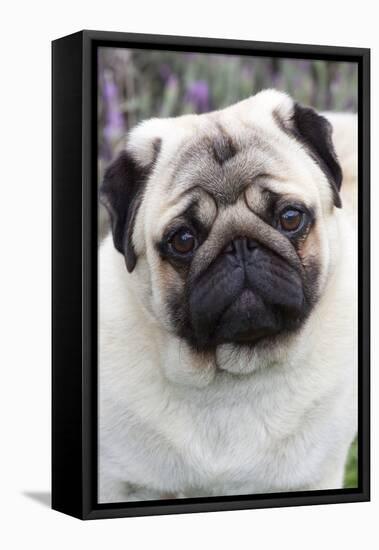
248	293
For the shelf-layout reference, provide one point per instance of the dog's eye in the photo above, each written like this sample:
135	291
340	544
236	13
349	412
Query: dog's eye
183	241
291	219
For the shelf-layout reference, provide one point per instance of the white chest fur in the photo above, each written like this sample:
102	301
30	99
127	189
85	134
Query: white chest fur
284	427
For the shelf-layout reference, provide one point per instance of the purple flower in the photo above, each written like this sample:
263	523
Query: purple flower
165	71
114	123
247	73
297	82
338	81
277	80
172	82
198	95
303	65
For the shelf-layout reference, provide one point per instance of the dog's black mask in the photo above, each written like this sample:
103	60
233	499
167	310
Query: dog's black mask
247	294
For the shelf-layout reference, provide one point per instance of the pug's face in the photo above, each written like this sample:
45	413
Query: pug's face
226	219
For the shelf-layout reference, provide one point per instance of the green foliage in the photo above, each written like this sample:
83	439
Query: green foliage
351	469
139	84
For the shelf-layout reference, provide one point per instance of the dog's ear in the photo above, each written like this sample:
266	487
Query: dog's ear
315	132
122	191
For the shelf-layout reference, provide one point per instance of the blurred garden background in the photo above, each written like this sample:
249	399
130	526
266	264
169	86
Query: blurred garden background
137	84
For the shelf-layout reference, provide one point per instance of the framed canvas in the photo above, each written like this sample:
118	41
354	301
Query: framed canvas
210	275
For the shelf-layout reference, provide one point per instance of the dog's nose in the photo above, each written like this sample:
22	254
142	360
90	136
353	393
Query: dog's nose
240	246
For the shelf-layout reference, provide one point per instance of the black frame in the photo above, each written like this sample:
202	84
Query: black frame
74	333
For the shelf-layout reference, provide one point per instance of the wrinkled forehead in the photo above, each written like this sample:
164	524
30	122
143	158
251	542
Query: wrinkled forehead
222	163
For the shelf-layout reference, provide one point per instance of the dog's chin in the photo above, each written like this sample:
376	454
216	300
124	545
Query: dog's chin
245	342
254	338
256	353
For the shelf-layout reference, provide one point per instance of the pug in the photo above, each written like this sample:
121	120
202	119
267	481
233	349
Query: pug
228	305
